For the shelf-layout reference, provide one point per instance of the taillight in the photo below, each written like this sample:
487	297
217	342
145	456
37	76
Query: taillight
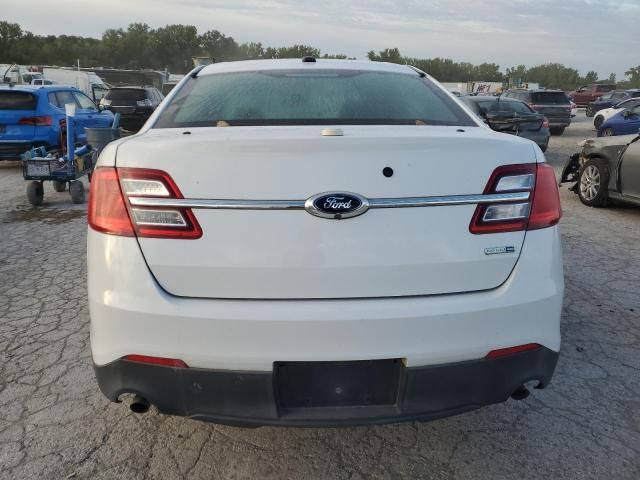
505	352
157	222
107	209
533	105
545	123
143	221
164	362
541	210
545	208
39	121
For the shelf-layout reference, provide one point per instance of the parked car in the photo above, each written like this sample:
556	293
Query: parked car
586	94
607	113
30	116
321	242
610	99
606	168
511	116
624	123
134	104
553	104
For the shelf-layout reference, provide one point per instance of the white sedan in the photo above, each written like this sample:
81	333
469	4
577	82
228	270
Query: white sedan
321	242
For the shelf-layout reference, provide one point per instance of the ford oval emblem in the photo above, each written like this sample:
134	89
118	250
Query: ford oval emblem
336	205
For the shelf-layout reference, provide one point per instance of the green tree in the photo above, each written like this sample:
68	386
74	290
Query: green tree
591	77
634	76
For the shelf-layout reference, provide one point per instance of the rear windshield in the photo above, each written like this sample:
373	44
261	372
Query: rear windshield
129	94
605	88
318	97
502	106
550	98
17	101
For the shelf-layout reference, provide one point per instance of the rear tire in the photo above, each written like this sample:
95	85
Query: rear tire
35	193
589	111
598	121
59	186
608	132
593	183
76	190
557	130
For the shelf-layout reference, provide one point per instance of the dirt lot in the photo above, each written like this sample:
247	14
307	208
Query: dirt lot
54	423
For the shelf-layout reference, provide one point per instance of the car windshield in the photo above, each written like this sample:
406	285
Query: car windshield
550	98
504	106
318	97
13	100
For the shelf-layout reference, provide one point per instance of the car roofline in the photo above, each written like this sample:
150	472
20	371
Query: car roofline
298	64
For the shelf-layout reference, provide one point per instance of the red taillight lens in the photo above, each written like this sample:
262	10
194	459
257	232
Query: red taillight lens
157	222
545	123
505	352
110	209
165	362
41	121
545	209
107	210
541	210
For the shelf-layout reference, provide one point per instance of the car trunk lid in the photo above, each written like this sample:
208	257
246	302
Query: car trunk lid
286	254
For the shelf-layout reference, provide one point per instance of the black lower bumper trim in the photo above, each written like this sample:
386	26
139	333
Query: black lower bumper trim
250	398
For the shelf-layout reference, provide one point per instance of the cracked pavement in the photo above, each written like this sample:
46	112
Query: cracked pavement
55	424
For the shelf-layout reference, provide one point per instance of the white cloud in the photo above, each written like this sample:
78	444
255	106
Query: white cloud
587	34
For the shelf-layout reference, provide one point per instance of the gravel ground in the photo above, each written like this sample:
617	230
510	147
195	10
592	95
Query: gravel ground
55	424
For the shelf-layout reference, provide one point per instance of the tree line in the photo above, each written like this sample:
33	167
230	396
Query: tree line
171	48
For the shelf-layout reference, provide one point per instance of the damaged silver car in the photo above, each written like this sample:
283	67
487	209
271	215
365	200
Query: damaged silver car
606	168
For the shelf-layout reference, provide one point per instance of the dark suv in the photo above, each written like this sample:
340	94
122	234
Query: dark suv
610	99
553	104
134	104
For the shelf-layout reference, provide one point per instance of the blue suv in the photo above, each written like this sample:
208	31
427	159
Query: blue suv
30	116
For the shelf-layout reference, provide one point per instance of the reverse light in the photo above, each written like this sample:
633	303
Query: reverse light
38	121
505	352
541	211
110	210
157	222
144	103
164	362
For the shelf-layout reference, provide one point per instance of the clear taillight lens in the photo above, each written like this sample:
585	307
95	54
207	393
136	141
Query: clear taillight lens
144	103
540	211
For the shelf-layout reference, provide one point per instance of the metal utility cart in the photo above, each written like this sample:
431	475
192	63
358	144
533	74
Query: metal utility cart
60	169
40	165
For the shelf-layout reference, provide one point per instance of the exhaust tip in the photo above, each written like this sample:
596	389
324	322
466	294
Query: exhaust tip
139	405
520	393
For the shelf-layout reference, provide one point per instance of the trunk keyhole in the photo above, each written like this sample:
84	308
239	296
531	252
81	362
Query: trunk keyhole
387	172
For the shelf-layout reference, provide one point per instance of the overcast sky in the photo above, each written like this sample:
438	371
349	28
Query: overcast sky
603	35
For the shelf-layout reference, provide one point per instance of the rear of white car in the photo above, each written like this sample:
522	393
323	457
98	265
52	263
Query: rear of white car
321	243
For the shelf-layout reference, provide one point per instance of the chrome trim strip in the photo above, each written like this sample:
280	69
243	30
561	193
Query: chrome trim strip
449	200
218	204
300	204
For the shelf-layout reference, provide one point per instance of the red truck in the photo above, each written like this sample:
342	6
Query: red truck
586	94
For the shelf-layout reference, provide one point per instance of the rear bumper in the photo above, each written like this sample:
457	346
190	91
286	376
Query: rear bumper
13	150
559	121
251	399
